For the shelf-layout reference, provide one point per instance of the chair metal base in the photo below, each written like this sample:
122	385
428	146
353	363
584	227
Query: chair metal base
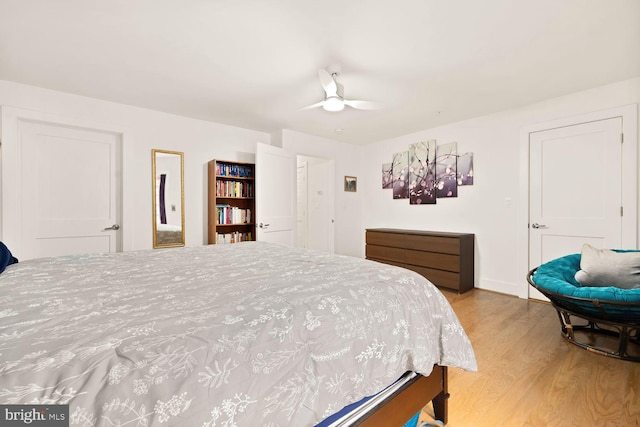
627	336
626	329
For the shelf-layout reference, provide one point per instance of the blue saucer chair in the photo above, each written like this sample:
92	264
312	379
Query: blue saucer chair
600	310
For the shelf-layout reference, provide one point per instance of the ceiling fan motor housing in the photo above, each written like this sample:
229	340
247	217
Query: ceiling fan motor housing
335	103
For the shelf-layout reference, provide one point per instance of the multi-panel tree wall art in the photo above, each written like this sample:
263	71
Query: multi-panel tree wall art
428	172
400	170
422	173
387	175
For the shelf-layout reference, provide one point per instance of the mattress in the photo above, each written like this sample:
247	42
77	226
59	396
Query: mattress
221	335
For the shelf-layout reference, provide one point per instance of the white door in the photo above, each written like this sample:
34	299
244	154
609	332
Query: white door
315	206
301	203
68	190
575	190
275	195
320	223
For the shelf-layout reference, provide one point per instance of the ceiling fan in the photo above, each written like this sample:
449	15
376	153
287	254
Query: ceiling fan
334	95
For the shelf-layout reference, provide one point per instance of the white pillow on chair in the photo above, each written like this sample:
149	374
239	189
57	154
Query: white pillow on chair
604	267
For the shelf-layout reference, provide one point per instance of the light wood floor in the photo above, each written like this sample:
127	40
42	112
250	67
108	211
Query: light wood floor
528	375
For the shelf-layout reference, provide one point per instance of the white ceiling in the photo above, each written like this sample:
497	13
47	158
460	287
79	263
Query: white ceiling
253	63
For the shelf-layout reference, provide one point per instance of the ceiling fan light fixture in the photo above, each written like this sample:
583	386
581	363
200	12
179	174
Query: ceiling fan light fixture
333	103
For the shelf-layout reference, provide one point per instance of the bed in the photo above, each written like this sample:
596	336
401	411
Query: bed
250	334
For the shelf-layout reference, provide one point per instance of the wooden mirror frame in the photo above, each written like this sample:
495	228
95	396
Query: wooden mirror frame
170	235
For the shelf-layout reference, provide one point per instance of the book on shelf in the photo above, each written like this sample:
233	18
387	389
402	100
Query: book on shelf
234	189
236	237
227	169
227	214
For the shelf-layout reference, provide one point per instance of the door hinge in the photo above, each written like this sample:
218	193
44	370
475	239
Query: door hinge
622	138
621	211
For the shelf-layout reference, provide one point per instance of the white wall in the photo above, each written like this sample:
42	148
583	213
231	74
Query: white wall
495	140
493	207
144	130
349	233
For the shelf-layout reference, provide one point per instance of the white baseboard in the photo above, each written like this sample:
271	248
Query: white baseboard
503	287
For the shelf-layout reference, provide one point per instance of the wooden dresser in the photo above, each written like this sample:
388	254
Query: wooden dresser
446	259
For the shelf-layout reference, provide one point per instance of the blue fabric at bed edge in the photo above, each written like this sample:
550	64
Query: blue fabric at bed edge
413	422
5	257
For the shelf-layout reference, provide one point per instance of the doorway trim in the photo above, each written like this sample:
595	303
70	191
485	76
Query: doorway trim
630	238
10	189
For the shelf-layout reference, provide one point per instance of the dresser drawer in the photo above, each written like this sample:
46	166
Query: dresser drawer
444	245
392	240
433	260
444	279
386	253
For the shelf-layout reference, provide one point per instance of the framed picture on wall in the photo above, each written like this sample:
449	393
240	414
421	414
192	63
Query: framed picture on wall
350	183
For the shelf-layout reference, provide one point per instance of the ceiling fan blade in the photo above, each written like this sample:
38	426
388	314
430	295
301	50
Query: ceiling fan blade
316	105
362	105
328	83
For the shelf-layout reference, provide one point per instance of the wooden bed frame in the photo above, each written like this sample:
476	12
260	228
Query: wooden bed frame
410	399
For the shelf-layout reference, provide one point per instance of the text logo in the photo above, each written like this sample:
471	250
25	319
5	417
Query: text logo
34	415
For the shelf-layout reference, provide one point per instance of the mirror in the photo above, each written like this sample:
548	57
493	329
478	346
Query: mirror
168	198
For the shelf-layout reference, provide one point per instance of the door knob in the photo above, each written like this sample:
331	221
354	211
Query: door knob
261	225
113	227
538	226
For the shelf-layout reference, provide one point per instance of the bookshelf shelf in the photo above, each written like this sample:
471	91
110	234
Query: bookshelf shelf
235	178
235	198
231	201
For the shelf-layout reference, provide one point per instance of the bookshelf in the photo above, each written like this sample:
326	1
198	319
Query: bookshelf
231	201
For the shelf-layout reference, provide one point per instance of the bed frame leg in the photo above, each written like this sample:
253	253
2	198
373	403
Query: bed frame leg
441	401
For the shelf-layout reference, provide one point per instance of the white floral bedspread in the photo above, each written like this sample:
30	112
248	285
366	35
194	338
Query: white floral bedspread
249	334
